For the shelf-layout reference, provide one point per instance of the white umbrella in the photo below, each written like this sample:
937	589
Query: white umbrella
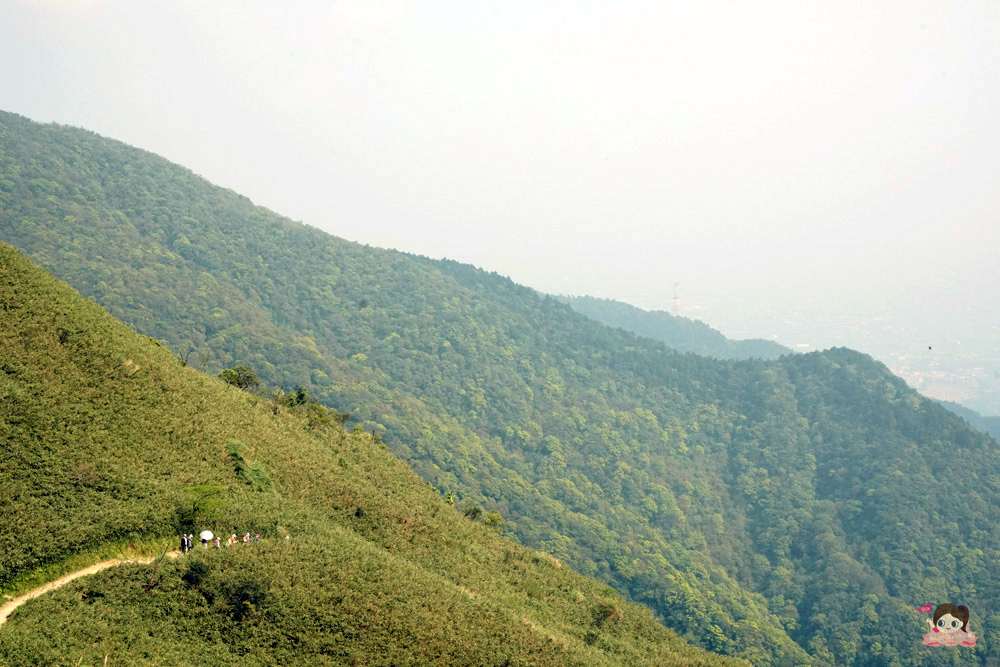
206	535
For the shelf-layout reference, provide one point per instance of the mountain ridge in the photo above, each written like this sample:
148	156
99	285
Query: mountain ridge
680	333
985	423
753	504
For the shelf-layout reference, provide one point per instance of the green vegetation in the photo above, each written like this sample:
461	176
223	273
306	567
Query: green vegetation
680	333
241	376
251	472
990	425
108	436
783	511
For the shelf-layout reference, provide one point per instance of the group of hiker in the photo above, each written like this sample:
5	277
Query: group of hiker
187	541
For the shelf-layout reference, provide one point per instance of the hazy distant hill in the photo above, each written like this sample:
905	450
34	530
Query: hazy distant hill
680	333
989	425
763	508
108	439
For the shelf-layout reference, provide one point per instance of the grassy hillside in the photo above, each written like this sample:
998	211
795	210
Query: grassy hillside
680	333
767	509
109	439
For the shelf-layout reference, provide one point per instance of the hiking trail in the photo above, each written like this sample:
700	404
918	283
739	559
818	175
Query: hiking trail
8	608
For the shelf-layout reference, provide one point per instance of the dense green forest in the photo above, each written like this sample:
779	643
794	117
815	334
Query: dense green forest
110	440
784	511
680	333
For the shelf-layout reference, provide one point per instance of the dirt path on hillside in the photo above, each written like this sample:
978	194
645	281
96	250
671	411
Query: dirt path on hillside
8	608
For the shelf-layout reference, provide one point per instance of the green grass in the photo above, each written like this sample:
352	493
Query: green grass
112	442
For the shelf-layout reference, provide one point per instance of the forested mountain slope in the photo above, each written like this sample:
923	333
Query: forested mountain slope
764	509
984	423
680	333
108	438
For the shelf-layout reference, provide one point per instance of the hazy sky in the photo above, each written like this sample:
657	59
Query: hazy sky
775	158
